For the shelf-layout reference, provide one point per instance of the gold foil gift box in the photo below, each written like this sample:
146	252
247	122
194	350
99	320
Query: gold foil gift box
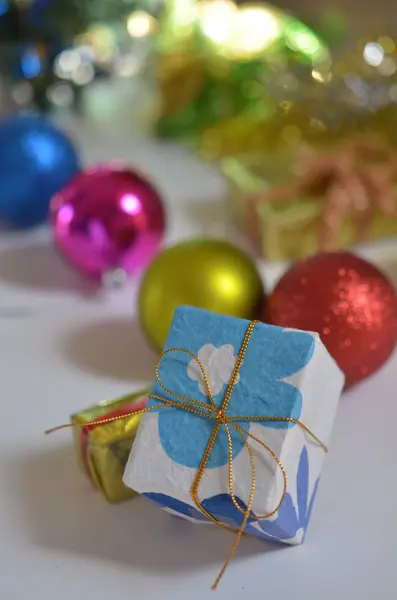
294	205
309	113
103	448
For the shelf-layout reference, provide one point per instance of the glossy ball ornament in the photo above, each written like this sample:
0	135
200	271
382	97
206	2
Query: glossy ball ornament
108	220
348	301
37	160
206	273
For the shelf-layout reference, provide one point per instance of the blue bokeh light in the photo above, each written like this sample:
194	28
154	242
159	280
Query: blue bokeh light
30	62
4	6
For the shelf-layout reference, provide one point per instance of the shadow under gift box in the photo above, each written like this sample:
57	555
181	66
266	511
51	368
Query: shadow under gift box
103	449
285	373
290	229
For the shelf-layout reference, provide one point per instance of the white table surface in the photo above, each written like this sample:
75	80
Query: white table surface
62	350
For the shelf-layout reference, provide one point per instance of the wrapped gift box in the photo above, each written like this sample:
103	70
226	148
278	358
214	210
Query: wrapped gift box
290	228
283	123
103	449
285	373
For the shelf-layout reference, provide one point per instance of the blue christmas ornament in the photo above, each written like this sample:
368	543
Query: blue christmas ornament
36	161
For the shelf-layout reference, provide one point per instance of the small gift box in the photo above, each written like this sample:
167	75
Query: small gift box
296	205
240	416
103	448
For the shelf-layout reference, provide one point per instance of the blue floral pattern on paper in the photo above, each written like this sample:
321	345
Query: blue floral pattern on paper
220	506
289	522
273	354
290	519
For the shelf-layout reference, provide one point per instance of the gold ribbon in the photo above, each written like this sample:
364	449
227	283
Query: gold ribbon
356	178
211	411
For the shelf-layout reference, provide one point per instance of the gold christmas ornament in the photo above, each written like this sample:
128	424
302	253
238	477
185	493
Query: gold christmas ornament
206	273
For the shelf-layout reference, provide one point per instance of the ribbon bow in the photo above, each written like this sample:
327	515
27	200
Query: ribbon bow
210	410
356	178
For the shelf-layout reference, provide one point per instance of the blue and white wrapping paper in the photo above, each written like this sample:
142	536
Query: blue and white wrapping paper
285	373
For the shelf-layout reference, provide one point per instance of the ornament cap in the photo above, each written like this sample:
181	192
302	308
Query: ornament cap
114	278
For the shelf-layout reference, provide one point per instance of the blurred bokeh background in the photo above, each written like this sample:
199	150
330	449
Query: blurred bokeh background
232	80
51	51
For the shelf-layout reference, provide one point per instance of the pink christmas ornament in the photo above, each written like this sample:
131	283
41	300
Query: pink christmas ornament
108	222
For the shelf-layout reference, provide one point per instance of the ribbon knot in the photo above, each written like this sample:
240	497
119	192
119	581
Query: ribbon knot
210	410
356	178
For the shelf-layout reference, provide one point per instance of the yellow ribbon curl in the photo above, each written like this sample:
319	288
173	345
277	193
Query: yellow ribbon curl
211	411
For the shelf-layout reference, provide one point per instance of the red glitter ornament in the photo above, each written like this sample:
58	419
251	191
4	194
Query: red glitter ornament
348	301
